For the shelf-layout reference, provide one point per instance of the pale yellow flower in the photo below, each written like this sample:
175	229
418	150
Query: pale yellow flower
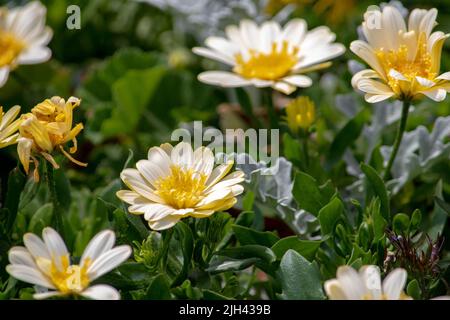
269	55
23	37
405	59
178	182
9	127
366	284
300	113
46	129
46	263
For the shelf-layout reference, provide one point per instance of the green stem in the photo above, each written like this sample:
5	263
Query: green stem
57	209
166	244
273	117
398	138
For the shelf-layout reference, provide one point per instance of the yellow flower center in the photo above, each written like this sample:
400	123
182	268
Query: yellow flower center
300	113
10	48
181	189
268	66
66	278
420	66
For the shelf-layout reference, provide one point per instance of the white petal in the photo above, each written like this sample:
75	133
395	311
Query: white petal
230	180
128	196
211	199
374	87
36	246
375	98
108	261
183	155
415	18
21	256
9	117
397	75
218	173
46	295
298	81
55	244
444	76
351	283
223	78
365	52
437	95
428	22
153	212
372	280
4	73
284	87
34	55
101	292
102	242
394	284
214	55
270	33
165	223
364	74
151	171
203	161
28	274
222	46
333	290
133	179
294	31
250	34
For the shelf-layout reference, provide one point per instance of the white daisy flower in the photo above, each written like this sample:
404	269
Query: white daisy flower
23	37
177	182
46	263
270	56
404	59
366	284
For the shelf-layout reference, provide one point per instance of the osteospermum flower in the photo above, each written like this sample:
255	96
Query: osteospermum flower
300	113
269	56
47	128
9	127
404	59
177	182
46	263
366	284
23	37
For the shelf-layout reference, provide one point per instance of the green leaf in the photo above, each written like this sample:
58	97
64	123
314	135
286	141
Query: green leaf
248	200
345	138
62	185
400	223
132	94
379	223
158	289
245	218
222	264
249	251
300	279
309	195
377	187
329	215
413	289
212	295
41	219
249	236
306	248
16	183
293	149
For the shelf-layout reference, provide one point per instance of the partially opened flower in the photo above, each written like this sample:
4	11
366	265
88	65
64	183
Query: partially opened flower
23	37
366	284
405	59
268	55
177	182
46	263
300	113
9	126
48	128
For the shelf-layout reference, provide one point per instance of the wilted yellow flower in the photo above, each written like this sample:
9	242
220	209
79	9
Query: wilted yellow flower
47	128
404	58
300	113
9	127
178	182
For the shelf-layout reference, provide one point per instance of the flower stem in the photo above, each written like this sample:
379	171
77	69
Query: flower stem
57	209
166	244
398	138
273	118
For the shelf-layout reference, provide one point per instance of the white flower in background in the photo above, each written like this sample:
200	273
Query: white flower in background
177	182
23	37
268	55
404	58
46	263
366	284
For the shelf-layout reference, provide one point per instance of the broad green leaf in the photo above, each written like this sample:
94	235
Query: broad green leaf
132	94
300	279
413	289
212	295
158	289
400	223
16	183
41	219
186	241
222	264
309	195
329	215
377	188
249	251
306	248
249	236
